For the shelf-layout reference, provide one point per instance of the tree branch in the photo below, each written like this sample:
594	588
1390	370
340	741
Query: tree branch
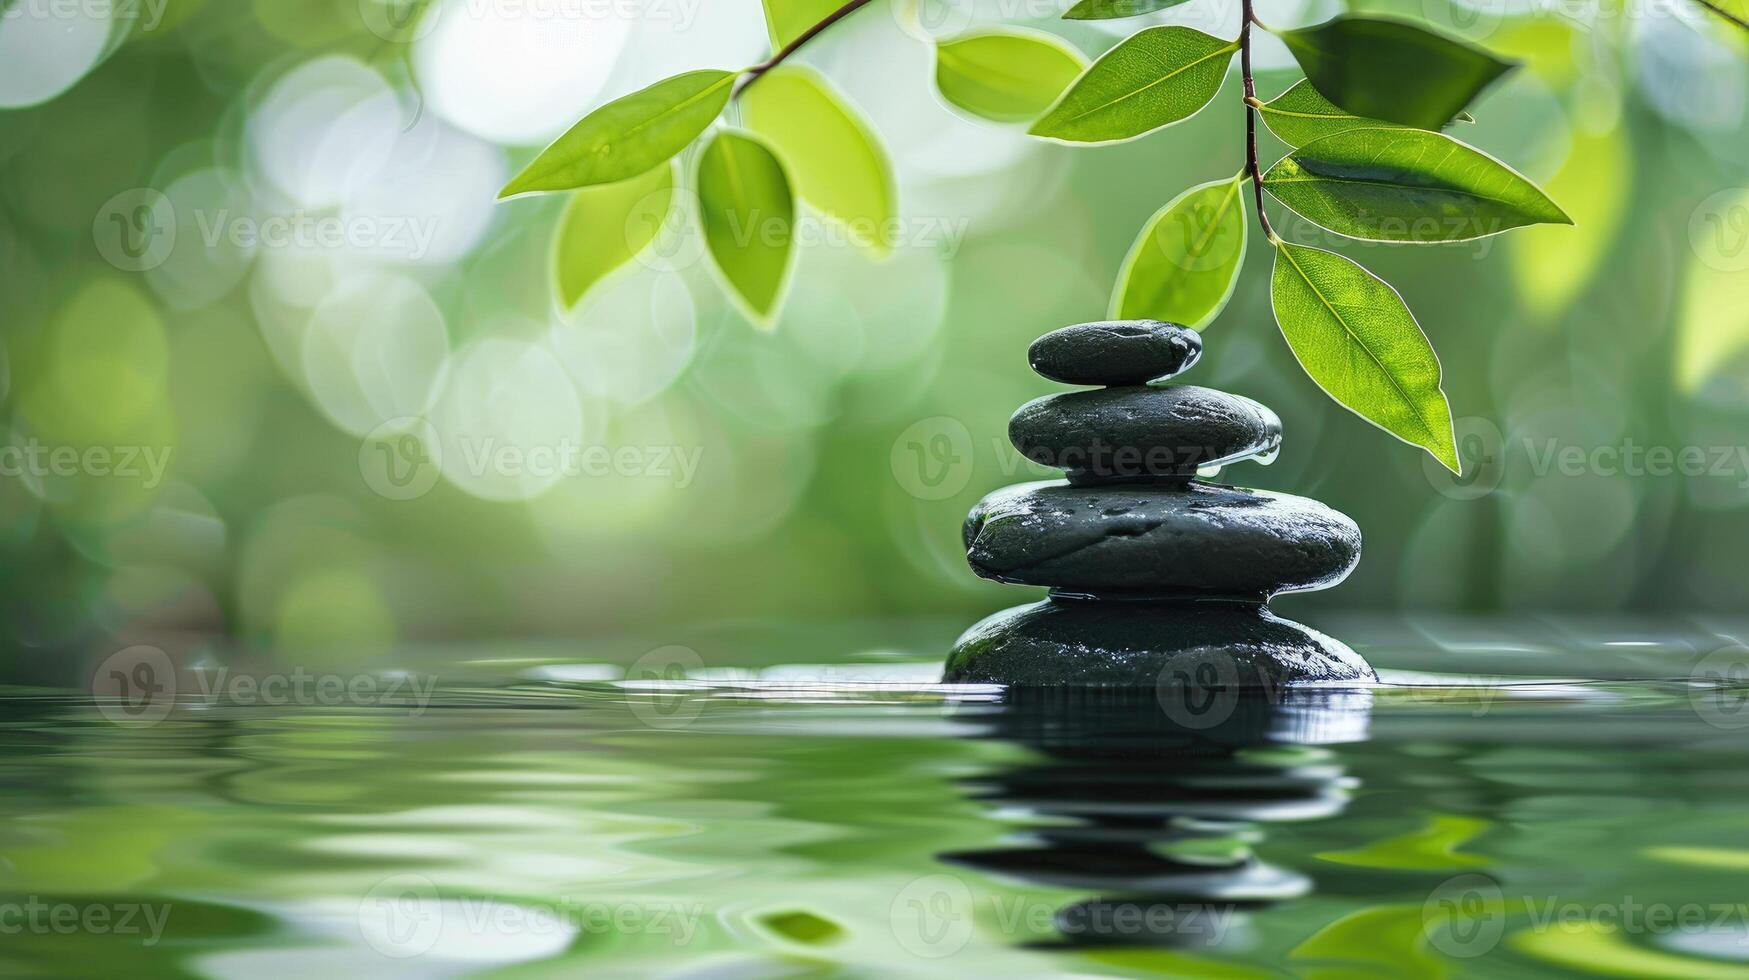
1251	164
753	74
1726	14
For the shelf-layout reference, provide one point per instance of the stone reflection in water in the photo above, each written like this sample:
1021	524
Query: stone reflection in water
1154	801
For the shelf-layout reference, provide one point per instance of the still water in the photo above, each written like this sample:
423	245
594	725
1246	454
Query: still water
1518	798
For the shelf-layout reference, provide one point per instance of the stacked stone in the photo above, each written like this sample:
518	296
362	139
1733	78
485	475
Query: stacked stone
1155	576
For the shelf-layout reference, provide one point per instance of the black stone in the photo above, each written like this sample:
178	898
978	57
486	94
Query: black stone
1187	539
1126	434
1195	655
1115	352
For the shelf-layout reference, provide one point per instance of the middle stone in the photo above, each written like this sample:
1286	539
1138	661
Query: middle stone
1189	539
1140	433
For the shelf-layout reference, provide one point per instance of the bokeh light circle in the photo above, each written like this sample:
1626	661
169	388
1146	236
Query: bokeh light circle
323	128
509	420
46	48
374	350
517	73
631	338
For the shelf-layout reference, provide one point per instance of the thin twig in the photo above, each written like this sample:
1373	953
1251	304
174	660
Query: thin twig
768	64
1726	14
1251	118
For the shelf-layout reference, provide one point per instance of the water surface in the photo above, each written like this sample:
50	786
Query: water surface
1526	797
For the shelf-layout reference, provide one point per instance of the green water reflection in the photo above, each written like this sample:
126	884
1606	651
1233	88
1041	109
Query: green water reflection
532	826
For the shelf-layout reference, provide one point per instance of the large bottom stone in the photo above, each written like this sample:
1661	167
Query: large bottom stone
1141	643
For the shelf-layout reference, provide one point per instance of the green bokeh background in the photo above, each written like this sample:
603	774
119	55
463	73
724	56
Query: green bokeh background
1630	328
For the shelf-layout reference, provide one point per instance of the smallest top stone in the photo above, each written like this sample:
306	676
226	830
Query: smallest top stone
1115	352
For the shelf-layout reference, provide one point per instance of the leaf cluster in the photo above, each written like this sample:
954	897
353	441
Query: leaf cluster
1369	159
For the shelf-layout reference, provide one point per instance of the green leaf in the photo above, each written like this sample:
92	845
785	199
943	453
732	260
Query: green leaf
1407	185
1114	9
836	162
1153	78
1391	70
628	136
1005	75
1356	339
604	226
1185	264
1300	115
748	214
785	20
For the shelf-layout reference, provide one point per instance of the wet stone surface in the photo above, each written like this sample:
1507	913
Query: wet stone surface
1147	644
1115	352
1118	434
1153	572
1195	538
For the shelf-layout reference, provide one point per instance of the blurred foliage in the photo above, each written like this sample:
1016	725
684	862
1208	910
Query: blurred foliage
338	267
